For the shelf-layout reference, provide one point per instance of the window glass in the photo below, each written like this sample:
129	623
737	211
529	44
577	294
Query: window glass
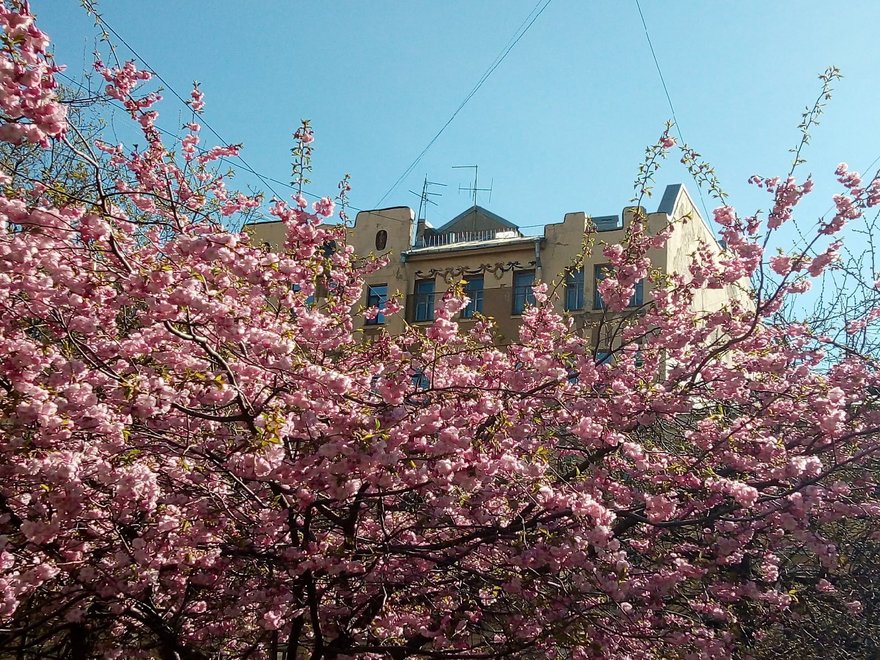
599	274
377	296
638	297
604	357
381	239
574	290
420	380
424	300
523	281
473	289
310	300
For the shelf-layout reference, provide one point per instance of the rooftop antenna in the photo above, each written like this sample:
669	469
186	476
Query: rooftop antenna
425	196
474	189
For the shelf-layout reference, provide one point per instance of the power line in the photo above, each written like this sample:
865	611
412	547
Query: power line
659	71
243	167
265	179
669	100
265	176
517	35
202	119
803	239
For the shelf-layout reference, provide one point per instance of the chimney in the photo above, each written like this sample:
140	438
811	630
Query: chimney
420	233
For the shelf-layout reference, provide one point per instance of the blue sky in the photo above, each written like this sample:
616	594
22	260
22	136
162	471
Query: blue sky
560	126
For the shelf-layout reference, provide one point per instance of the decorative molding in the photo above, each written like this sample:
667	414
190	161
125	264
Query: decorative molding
454	273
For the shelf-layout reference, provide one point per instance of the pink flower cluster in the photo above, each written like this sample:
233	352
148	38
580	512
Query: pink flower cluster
199	455
29	107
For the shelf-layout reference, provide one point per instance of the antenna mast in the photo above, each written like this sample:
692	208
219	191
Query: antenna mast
425	196
474	189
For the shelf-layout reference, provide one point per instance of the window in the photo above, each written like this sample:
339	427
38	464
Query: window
310	300
604	357
377	295
523	281
381	239
574	290
600	271
419	380
424	300
473	289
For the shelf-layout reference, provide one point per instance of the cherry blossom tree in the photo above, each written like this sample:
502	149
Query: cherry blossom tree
197	460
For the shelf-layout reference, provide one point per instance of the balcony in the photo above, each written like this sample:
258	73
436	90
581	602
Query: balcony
454	237
499	303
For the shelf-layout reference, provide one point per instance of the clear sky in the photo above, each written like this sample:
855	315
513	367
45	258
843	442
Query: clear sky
560	126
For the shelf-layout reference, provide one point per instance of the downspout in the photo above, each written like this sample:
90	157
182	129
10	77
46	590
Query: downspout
538	273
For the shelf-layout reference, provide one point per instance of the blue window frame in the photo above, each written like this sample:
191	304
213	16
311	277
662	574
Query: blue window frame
574	290
424	300
473	289
377	296
420	380
599	273
310	300
523	281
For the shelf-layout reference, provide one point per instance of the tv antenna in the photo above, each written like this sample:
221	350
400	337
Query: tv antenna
425	196
475	188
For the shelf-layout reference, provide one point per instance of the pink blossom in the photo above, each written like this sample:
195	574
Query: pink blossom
196	429
324	207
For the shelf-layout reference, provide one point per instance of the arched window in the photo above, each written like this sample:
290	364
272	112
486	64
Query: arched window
381	239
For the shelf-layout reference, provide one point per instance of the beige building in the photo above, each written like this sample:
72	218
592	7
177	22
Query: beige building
497	265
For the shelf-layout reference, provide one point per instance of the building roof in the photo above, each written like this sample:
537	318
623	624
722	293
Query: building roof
670	200
476	218
670	197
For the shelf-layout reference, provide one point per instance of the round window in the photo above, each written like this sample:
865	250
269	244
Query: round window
381	239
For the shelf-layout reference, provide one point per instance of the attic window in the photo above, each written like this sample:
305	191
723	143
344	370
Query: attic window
381	239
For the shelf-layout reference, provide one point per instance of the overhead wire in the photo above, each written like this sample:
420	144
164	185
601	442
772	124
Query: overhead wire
518	34
267	180
802	233
514	40
669	99
681	137
243	166
99	18
239	166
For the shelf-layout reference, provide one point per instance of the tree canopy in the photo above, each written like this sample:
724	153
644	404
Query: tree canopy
198	460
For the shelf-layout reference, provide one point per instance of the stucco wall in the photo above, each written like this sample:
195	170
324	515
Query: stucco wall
399	223
690	231
496	260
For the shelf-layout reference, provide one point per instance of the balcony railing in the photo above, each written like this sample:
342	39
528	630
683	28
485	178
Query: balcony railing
498	303
505	305
453	237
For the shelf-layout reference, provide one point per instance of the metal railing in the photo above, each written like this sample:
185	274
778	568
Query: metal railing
499	303
453	237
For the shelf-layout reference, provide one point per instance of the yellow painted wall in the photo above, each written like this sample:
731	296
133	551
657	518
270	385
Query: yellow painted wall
557	250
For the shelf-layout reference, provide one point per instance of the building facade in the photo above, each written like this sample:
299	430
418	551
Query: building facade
497	264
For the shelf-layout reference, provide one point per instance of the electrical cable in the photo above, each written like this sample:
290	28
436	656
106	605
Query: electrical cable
495	64
202	119
223	159
669	101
